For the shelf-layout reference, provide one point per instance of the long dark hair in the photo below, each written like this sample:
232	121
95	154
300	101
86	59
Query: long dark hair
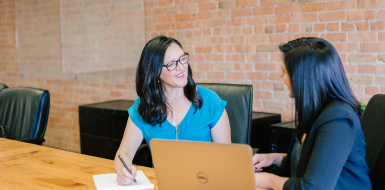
153	105
317	76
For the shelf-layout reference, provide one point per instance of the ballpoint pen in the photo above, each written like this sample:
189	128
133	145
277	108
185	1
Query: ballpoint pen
129	171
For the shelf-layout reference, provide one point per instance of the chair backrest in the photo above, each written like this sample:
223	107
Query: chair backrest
24	112
373	126
239	108
2	86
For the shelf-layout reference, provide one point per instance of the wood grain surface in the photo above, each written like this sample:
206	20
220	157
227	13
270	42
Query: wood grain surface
29	166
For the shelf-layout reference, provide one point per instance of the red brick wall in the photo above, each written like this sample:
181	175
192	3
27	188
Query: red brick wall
230	41
235	41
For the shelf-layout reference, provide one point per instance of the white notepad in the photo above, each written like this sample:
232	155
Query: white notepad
108	182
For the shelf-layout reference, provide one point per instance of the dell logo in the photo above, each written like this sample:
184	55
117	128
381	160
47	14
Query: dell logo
202	177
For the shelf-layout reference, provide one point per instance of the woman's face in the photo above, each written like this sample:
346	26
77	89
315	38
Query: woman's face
178	77
286	79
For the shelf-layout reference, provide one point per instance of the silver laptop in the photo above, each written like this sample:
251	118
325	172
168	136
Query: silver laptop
202	165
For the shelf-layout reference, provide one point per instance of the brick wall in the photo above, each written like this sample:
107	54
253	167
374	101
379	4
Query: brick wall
36	51
101	35
235	41
230	41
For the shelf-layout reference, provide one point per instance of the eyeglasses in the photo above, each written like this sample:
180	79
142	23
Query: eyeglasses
174	64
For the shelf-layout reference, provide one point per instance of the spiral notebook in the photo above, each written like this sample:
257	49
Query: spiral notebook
108	182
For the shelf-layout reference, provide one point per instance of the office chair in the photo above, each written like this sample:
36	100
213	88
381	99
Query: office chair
3	86
373	126
239	109
143	156
24	113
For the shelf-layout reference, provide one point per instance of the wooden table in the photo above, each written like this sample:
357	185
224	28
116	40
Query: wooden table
29	166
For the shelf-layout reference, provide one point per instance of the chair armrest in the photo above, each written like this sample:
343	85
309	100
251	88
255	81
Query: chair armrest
38	141
2	133
143	156
255	150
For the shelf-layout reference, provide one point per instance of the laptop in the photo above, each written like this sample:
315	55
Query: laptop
202	165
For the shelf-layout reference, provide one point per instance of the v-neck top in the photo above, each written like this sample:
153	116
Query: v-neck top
194	126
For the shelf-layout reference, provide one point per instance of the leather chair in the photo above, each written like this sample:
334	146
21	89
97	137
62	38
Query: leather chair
24	113
239	110
3	86
373	126
143	156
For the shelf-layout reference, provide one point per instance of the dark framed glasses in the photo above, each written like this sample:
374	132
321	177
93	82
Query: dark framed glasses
173	64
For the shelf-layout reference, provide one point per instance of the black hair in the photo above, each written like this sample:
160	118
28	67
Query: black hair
153	105
317	76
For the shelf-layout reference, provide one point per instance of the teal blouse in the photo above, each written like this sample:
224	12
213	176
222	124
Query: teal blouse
194	126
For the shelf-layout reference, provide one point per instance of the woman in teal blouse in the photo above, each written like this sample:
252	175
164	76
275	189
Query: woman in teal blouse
169	104
195	126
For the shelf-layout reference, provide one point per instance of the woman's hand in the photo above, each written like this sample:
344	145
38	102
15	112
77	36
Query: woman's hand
124	177
265	160
262	180
131	140
269	181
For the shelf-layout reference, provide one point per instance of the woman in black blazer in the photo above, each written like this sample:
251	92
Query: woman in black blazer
328	150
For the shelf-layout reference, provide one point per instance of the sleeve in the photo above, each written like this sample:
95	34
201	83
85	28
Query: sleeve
332	146
217	105
133	113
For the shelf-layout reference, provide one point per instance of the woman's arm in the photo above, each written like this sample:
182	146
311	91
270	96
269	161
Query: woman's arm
221	131
333	144
269	181
131	140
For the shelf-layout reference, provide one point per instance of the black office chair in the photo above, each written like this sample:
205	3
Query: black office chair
3	86
143	156
239	109
24	114
373	126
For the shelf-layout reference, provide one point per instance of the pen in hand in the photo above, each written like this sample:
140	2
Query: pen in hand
129	171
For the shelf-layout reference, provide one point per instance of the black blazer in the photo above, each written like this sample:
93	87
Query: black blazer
333	153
